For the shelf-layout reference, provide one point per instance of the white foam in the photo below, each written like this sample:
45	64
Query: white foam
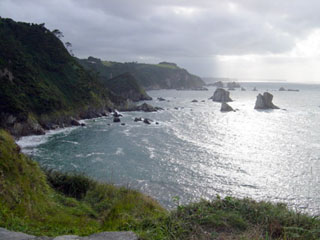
36	140
119	151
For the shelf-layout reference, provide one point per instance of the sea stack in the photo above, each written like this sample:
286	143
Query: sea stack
221	95
265	101
225	107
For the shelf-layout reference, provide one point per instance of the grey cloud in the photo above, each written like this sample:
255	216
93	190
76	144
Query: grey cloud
149	29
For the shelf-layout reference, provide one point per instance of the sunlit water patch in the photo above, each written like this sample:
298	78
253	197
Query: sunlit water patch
198	152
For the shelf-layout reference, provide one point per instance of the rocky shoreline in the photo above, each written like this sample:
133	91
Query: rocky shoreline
38	126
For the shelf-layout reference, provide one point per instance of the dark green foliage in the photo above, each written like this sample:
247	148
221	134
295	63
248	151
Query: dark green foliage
41	76
72	185
150	76
126	86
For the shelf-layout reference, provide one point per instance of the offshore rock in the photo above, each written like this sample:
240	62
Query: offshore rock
147	108
221	95
281	89
116	119
233	85
147	121
265	101
225	107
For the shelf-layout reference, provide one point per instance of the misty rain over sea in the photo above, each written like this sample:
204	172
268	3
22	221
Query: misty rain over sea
198	152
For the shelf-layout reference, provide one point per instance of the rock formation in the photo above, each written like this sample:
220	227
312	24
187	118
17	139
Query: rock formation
221	95
225	107
233	85
281	89
265	101
116	119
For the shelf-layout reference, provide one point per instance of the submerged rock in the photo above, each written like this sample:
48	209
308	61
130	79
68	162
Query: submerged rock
265	101
243	89
161	99
225	107
194	100
221	95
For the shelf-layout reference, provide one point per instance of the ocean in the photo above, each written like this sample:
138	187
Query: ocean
195	151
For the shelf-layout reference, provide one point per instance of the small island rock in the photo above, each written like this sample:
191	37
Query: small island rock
265	101
225	107
282	89
221	95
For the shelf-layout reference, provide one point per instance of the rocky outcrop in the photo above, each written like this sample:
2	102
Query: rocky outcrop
218	84
281	89
116	119
225	107
221	95
10	235
243	89
144	108
265	101
147	121
233	85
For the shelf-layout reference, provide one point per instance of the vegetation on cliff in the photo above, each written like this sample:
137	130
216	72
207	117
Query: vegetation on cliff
40	80
52	203
150	76
55	203
125	85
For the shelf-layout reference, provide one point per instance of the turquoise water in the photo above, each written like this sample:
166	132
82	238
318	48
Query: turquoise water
198	152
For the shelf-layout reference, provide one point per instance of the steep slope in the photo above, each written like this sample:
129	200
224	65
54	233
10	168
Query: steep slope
126	85
150	76
40	83
57	203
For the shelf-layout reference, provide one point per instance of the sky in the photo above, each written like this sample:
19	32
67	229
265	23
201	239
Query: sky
243	39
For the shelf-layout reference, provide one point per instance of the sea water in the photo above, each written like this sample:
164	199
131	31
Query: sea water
195	151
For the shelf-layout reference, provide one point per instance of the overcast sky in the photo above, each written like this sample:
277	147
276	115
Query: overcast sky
253	39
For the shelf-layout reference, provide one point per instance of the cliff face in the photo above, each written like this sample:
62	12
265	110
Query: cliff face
41	84
150	76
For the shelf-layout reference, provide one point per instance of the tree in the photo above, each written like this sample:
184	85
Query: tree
57	33
69	48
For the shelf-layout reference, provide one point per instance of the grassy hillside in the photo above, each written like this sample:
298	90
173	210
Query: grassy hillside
40	79
150	76
55	203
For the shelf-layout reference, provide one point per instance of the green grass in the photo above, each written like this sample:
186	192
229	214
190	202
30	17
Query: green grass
53	203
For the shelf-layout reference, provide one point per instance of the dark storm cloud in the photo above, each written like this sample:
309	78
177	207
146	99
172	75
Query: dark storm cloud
128	30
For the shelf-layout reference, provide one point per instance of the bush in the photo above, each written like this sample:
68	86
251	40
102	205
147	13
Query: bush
72	185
